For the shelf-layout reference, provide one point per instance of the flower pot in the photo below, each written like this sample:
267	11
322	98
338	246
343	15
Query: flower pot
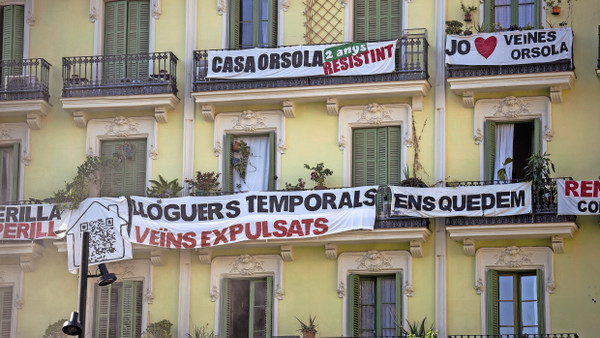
320	187
468	17
236	146
308	334
467	32
555	10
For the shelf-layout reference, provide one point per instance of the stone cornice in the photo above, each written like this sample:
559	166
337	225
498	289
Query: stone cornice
31	110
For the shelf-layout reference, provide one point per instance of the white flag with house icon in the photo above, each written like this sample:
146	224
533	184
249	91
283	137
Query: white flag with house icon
106	219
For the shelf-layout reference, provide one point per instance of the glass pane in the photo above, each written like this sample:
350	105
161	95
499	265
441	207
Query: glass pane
526	15
506	288
240	307
529	313
367	291
7	174
507	313
246	34
260	293
530	330
246	8
264	10
367	317
528	288
388	290
263	34
388	305
507	330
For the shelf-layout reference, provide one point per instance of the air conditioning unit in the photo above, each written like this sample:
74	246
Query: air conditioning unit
20	81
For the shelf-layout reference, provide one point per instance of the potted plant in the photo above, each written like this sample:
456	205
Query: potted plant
554	6
163	188
454	27
160	329
537	171
204	183
239	161
467	10
309	330
295	187
468	30
318	174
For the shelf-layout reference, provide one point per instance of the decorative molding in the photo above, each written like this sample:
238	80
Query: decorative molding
153	152
148	297
513	257
417	102
468	99
373	262
342	143
558	245
156	9
26	263
331	251
26	159
469	247
556	94
512	107
279	293
479	287
246	265
249	121
94	10
374	114
156	257
217	149
11	133
221	7
204	256
30	111
80	119
287	253
333	106
478	136
30	12
214	294
208	112
284	5
416	248
289	108
282	148
160	114
122	126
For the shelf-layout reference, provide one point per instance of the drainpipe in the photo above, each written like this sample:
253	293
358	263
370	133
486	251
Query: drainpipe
440	164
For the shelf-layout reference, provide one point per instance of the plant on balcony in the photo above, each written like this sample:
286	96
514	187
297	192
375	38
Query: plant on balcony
318	174
163	188
415	329
295	187
468	30
537	171
54	330
204	183
201	332
309	329
240	158
161	329
502	171
554	5
467	10
454	27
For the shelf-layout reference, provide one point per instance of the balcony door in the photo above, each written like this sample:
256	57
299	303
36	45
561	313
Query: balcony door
253	23
377	20
506	13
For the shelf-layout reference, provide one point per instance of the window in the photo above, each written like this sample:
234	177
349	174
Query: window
12	36
118	311
376	156
128	177
518	141
507	13
126	31
253	23
375	305
515	302
257	172
9	170
6	304
247	307
377	20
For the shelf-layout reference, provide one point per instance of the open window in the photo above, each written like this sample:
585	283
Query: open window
252	23
247	307
506	13
249	162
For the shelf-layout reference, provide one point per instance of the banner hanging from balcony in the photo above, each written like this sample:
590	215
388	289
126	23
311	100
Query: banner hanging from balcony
471	201
510	48
33	221
202	222
349	59
578	197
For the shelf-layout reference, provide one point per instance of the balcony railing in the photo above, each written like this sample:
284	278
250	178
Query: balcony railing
544	207
128	74
471	71
24	79
524	335
411	64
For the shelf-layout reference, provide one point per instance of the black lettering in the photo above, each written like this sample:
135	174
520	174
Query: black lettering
216	64
274	61
263	62
517	199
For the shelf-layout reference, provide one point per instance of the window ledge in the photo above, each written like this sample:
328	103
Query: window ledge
26	252
469	234
83	107
555	82
31	110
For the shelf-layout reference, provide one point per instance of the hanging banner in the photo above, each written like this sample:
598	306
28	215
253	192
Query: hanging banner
510	48
578	197
354	58
32	221
472	201
106	219
201	222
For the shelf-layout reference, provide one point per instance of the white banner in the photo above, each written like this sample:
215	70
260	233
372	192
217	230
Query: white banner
354	58
106	219
510	48
578	197
34	221
472	201
201	222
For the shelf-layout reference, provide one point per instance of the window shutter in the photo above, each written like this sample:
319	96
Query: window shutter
272	146
103	311
381	157
234	25
115	24
489	15
536	13
273	11
5	311
395	17
269	307
493	324
364	156
15	173
539	274
12	33
372	26
394	155
139	294
228	169
226	310
128	177
127	310
360	20
490	148
398	313
536	137
353	304
138	32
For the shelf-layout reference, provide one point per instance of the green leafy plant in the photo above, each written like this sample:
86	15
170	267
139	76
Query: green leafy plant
161	329
204	183
163	188
454	27
467	9
417	329
201	332
54	330
318	173
240	163
502	171
309	327
537	171
295	187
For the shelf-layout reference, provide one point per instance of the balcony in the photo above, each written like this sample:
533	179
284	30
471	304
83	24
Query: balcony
543	222
525	335
409	78
24	90
554	76
104	83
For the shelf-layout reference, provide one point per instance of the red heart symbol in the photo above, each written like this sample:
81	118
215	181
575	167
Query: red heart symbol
486	47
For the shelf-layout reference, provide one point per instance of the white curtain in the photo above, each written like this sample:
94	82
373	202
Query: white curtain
257	171
502	13
505	133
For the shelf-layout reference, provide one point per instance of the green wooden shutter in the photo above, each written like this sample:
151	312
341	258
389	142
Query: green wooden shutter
129	176
353	304
269	307
102	313
228	168
489	17
130	325
493	324
398	302
394	158
5	311
226	309
272	146
360	20
377	20
490	148
395	15
234	24
539	274
115	42
381	157
537	137
138	32
273	11
12	32
15	172
364	162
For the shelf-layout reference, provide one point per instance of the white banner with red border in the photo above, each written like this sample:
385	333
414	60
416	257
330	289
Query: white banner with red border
578	197
510	48
202	222
470	201
346	59
32	221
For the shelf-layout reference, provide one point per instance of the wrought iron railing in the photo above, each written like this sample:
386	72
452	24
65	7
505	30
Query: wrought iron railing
544	206
411	64
524	335
470	71
127	74
24	79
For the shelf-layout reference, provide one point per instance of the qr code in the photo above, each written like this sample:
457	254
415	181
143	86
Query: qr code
103	239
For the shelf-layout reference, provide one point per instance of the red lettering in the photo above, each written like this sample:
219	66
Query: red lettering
204	239
586	188
51	229
188	240
596	188
220	236
140	239
154	237
307	223
235	230
344	63
389	49
171	240
249	234
10	230
22	229
357	60
336	65
295	229
380	54
265	229
39	233
162	237
321	225
1	227
279	225
327	68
